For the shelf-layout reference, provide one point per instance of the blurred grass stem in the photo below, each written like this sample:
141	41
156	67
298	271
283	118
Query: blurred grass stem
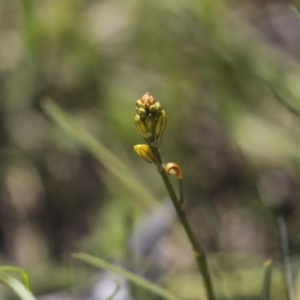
88	142
286	258
285	104
198	251
137	280
265	295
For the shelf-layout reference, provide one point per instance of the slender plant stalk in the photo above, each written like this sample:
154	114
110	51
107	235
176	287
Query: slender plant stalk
198	250
265	294
286	258
150	121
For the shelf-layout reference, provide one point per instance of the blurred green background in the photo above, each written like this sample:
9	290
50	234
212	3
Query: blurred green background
227	74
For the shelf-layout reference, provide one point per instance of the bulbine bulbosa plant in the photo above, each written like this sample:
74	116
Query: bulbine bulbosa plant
150	122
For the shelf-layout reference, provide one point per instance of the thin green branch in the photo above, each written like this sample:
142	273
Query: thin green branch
198	250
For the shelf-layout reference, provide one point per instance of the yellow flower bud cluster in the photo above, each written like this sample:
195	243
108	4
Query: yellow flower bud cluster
150	120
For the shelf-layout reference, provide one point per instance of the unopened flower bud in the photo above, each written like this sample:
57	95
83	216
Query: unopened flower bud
141	112
139	103
145	152
141	127
160	124
150	122
152	109
139	124
155	108
147	100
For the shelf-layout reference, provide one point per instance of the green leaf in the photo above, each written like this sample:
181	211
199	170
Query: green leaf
139	281
21	272
16	286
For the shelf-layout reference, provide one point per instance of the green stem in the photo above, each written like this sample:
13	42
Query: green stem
265	295
198	250
180	189
286	258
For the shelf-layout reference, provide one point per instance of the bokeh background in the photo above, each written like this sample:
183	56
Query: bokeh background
226	72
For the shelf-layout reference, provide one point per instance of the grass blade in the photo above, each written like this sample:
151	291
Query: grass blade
16	286
295	10
21	272
139	281
88	142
